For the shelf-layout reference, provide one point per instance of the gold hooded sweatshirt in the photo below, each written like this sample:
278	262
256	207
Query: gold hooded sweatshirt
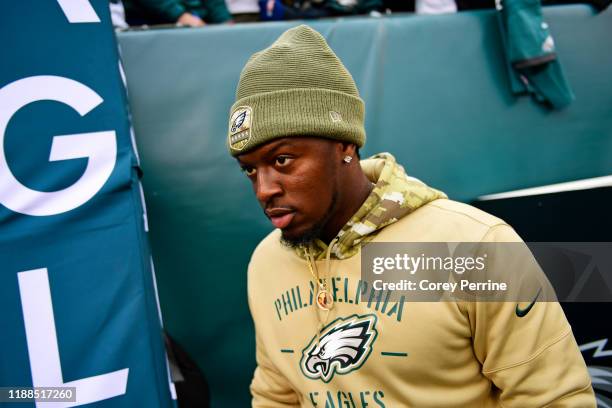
370	352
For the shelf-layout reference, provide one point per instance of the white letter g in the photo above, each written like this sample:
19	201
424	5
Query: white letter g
99	147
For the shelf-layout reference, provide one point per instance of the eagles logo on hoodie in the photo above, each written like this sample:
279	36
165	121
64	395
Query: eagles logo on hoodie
343	346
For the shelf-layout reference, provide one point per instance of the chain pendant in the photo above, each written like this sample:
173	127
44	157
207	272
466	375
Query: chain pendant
324	300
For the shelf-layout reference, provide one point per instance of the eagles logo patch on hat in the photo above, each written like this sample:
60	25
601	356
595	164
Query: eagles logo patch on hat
240	127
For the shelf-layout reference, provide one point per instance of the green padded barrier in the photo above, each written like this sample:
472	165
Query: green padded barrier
437	96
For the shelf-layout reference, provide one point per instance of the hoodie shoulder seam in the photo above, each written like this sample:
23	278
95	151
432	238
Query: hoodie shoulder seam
486	224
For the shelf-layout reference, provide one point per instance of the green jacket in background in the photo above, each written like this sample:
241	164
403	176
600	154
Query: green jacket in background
531	54
168	11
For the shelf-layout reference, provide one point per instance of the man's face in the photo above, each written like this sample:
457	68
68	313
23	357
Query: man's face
295	181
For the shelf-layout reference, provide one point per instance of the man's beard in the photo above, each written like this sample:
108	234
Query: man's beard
315	231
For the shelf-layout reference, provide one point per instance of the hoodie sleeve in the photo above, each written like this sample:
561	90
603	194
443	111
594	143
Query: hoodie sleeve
269	388
533	360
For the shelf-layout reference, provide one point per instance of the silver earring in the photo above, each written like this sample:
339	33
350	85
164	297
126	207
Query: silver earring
347	159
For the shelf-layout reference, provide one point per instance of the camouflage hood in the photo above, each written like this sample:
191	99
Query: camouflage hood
394	196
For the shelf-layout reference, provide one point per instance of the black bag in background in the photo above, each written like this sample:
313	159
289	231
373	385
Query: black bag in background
191	386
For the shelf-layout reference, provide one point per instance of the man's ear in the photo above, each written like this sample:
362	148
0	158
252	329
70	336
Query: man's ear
348	149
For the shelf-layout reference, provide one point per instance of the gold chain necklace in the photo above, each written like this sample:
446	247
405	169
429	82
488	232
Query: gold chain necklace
324	299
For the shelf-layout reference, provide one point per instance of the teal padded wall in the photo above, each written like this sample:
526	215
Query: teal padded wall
437	96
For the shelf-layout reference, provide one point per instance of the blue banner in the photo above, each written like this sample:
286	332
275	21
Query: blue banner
77	290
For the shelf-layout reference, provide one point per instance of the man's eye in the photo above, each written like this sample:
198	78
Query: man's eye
283	160
249	171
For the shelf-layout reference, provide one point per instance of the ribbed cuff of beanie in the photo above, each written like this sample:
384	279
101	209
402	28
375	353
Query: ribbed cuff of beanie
302	112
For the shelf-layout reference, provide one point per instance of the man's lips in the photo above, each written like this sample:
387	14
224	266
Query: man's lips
280	217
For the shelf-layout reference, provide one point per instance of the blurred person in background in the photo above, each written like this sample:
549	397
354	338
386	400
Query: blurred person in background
117	14
243	11
310	9
451	6
191	13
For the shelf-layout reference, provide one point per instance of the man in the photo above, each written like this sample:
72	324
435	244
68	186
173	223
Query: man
324	337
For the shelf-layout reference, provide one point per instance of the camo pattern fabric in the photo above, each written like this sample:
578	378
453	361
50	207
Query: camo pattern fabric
395	195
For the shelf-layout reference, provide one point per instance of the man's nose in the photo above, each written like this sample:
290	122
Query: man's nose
267	186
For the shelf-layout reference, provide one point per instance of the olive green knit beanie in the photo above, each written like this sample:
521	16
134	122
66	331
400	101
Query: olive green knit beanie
295	87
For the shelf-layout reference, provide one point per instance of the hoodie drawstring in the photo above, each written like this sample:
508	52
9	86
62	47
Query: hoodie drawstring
323	297
328	257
